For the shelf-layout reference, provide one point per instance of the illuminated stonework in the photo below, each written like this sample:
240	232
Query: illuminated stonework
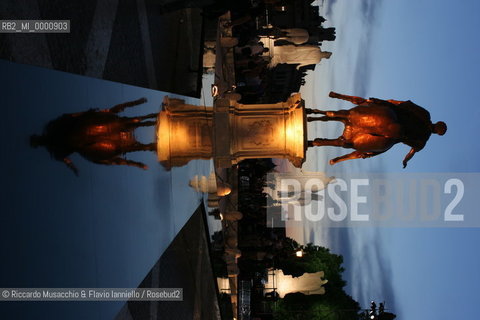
260	131
184	133
230	131
308	283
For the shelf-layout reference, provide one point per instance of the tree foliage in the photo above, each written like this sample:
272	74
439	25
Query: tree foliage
315	258
334	304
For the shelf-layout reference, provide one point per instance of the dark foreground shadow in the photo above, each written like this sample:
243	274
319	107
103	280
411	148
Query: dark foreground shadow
185	264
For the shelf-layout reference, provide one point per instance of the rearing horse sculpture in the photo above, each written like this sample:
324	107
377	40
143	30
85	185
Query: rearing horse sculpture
375	125
100	136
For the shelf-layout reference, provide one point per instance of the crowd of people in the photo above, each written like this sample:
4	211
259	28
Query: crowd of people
262	47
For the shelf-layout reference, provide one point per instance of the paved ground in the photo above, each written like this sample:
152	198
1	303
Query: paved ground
109	226
105	228
127	41
185	264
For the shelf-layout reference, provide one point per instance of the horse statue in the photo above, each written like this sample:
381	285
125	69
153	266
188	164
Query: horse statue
101	136
375	125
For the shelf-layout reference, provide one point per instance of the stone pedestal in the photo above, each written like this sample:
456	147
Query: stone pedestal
184	133
231	132
259	131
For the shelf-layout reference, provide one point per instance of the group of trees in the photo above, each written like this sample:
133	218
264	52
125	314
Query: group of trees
335	304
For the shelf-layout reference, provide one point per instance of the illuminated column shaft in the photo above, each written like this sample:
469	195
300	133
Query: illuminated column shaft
230	132
259	131
184	133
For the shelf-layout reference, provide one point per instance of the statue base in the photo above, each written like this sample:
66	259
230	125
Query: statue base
231	132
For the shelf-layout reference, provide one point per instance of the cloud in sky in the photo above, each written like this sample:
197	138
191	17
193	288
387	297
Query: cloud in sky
329	5
355	23
368	270
369	12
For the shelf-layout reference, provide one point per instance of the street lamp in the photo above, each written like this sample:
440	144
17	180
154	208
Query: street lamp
381	314
373	310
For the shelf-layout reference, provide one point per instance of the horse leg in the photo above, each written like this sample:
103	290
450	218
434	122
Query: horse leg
352	155
121	161
331	114
142	147
352	99
338	113
148	116
314	111
143	124
339	142
122	106
326	118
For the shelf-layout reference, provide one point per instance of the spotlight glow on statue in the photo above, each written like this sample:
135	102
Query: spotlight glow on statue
375	125
231	132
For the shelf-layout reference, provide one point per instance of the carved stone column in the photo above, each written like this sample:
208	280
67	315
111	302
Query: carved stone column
231	131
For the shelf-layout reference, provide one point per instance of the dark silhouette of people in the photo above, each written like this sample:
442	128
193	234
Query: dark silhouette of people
100	136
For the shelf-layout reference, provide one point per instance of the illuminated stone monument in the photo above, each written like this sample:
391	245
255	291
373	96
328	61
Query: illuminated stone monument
308	283
184	133
230	131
